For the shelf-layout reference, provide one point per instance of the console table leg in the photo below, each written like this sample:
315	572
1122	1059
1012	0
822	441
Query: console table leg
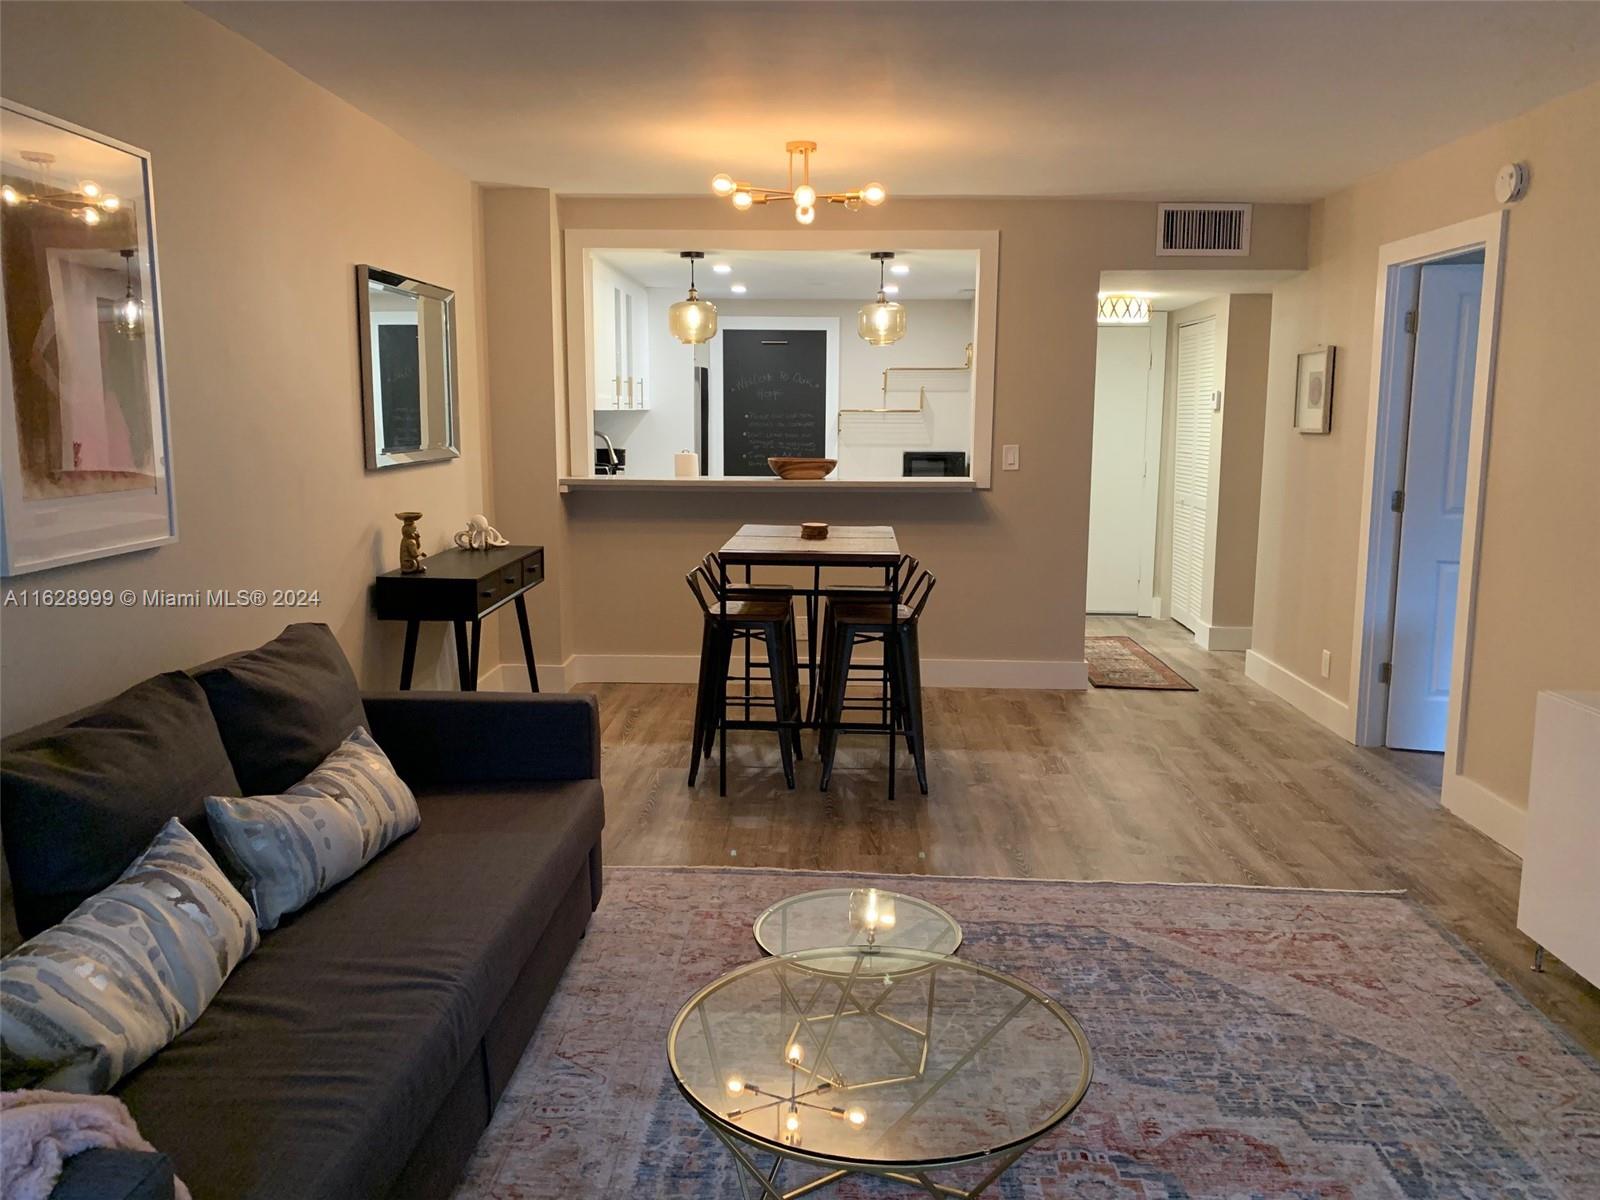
527	643
409	662
477	634
463	657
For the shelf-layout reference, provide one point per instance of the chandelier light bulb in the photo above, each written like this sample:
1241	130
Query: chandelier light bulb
10	195
722	185
805	196
735	1085
110	202
796	1054
805	215
874	194
91	216
742	200
856	1116
89	188
792	1122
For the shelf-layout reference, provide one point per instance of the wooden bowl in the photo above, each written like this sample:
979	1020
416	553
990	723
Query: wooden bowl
802	468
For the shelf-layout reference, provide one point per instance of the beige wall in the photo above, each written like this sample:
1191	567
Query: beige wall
1244	413
1539	565
1011	560
269	191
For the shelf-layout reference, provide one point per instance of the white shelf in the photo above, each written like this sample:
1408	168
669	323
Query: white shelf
628	483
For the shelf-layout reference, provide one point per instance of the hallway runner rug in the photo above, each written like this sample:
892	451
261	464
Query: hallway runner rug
1121	662
1276	1045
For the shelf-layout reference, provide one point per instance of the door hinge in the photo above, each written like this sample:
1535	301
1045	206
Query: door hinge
1397	502
1411	321
1385	670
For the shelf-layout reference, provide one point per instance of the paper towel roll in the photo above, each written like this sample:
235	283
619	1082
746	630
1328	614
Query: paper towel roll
686	465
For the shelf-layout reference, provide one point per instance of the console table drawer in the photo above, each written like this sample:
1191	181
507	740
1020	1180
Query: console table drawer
533	569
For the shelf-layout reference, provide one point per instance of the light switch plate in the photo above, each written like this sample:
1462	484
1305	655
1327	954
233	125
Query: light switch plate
1216	402
1010	458
1327	662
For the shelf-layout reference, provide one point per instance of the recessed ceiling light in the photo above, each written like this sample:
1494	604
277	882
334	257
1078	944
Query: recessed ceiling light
738	289
891	289
722	268
900	269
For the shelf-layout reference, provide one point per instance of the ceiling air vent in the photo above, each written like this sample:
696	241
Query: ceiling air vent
1198	230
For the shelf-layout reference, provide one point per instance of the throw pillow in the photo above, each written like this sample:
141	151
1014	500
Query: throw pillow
84	797
284	707
288	849
133	966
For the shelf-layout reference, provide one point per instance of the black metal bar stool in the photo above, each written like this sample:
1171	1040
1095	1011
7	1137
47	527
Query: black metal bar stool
833	594
747	614
853	622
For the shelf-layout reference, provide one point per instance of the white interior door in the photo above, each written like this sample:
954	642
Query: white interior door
1435	488
1118	541
1191	467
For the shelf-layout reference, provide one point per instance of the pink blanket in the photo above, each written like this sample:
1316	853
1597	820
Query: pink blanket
39	1130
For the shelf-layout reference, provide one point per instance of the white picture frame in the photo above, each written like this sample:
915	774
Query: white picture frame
69	368
1313	390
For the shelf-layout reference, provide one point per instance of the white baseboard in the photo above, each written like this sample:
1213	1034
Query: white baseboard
1222	637
1486	811
1305	696
1000	673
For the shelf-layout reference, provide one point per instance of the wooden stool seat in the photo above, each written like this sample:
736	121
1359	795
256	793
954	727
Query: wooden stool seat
754	611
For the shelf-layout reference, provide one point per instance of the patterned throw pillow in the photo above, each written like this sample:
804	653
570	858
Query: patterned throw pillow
288	849
133	966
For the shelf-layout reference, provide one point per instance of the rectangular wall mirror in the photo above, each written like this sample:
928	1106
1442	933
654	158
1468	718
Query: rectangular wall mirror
790	370
408	369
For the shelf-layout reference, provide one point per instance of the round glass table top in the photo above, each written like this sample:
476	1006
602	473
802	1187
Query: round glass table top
905	1059
856	917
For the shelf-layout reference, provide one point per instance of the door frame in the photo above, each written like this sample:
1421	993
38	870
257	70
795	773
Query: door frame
1399	266
828	325
1155	404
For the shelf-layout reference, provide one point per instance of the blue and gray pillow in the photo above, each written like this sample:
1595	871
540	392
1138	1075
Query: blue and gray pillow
288	849
130	968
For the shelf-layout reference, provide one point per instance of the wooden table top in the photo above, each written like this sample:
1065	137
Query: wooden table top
845	546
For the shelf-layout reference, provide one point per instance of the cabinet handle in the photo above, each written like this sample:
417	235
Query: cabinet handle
630	393
486	593
510	578
641	393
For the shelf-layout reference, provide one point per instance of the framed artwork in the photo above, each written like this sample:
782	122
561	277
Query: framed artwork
85	469
1313	391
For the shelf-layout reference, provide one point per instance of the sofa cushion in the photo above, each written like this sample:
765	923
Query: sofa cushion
287	849
284	707
318	1066
90	999
104	784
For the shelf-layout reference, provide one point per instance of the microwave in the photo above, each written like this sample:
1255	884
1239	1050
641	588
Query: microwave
925	463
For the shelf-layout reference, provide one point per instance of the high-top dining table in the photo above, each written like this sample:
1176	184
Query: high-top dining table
869	547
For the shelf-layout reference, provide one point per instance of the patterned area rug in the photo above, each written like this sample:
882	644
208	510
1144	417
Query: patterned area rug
1120	662
1270	1045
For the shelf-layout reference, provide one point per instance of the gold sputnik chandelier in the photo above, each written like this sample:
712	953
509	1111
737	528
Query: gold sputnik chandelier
744	196
88	202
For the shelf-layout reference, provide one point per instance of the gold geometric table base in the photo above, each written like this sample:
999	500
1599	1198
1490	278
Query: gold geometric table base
767	1186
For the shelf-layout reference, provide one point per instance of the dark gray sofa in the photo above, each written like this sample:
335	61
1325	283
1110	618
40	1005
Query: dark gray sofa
360	1051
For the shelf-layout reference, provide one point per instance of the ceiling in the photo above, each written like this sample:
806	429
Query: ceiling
803	274
1169	291
1190	101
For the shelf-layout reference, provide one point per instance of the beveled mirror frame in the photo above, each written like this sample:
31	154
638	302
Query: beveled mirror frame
377	457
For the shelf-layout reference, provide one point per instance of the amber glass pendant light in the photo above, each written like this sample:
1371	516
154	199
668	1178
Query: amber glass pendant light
692	320
883	322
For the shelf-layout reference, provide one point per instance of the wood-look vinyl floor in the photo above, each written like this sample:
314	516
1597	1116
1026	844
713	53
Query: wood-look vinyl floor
1225	785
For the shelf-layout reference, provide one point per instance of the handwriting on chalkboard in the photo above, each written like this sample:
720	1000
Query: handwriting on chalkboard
774	397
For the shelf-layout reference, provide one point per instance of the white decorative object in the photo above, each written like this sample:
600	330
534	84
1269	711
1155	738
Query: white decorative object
686	464
1561	855
479	534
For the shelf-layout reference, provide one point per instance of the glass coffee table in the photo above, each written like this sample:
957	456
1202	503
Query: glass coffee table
856	917
885	1061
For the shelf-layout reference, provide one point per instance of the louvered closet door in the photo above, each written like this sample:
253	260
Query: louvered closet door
1191	468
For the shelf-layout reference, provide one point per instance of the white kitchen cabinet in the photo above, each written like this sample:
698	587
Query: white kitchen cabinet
621	338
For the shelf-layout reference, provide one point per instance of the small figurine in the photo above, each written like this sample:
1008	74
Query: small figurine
479	535
411	552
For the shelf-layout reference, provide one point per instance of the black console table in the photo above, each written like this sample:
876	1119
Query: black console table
463	587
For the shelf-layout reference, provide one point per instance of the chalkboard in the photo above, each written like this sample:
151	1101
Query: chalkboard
774	397
399	384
